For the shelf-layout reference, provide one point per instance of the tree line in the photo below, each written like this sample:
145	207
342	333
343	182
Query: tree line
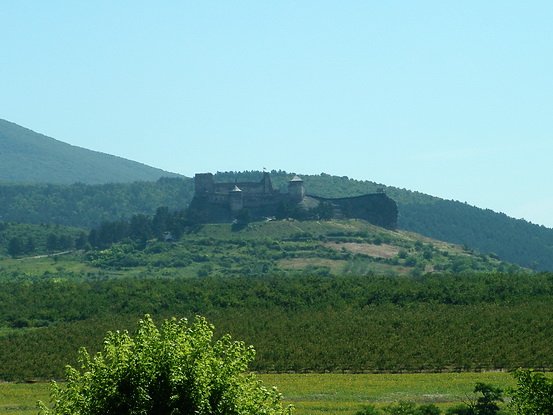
392	324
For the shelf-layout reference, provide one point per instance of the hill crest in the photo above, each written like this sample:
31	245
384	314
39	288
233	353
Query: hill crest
30	157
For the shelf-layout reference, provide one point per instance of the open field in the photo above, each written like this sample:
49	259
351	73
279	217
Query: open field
315	394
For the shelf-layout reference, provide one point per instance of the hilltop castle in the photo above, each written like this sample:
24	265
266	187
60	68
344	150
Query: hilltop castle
225	202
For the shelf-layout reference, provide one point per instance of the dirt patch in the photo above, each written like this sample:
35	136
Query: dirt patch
376	251
299	263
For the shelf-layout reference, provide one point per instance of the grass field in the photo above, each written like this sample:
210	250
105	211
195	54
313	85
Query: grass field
315	394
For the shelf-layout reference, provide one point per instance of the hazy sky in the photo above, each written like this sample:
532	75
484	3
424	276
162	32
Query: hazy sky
449	98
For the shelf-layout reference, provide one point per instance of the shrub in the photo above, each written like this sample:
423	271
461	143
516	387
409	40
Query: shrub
178	369
534	394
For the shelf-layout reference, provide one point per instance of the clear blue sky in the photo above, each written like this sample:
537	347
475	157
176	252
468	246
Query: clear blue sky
449	98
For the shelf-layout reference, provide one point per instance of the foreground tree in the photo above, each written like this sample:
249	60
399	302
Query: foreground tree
534	394
177	369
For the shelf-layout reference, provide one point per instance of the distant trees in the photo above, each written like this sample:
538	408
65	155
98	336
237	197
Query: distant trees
484	403
175	369
18	239
86	206
15	247
141	228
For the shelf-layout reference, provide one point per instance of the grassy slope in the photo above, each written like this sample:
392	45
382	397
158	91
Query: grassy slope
264	248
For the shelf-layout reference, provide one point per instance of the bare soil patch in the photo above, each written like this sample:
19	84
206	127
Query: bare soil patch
376	251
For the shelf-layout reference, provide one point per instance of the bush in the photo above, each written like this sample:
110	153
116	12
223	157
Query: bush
178	369
534	394
368	410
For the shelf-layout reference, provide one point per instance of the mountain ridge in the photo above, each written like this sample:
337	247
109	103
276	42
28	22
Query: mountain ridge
30	157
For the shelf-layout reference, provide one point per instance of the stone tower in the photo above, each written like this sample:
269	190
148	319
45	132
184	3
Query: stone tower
296	189
235	200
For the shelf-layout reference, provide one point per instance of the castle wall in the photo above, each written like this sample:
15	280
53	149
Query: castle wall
377	208
220	202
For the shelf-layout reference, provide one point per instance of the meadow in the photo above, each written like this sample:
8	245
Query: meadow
316	394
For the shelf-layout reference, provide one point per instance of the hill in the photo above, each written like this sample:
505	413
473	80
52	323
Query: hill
404	302
80	205
138	248
26	156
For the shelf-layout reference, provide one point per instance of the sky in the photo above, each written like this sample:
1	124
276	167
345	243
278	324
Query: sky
449	98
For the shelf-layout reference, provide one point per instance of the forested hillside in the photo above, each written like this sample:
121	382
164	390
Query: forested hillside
87	206
26	156
513	240
80	205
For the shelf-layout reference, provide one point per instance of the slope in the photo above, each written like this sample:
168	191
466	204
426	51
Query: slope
515	241
26	156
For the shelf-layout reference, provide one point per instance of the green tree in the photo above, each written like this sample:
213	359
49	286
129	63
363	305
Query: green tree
488	397
427	409
534	394
15	247
30	245
175	369
52	242
484	401
368	410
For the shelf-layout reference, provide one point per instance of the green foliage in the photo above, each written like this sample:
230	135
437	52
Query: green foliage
87	206
481	229
175	369
534	394
400	408
488	398
427	409
485	401
460	409
368	410
428	323
22	239
271	247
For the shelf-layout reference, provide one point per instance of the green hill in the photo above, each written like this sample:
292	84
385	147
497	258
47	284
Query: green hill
87	206
29	157
402	301
137	248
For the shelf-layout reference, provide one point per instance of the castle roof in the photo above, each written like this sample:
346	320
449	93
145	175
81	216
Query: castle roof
296	179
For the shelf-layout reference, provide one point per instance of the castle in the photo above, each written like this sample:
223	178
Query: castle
227	202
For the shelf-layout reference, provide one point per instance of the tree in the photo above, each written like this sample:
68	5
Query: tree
534	394
177	369
484	401
52	242
15	247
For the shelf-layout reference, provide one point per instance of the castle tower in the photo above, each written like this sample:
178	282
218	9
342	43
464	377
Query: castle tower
235	200
267	185
203	183
296	189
